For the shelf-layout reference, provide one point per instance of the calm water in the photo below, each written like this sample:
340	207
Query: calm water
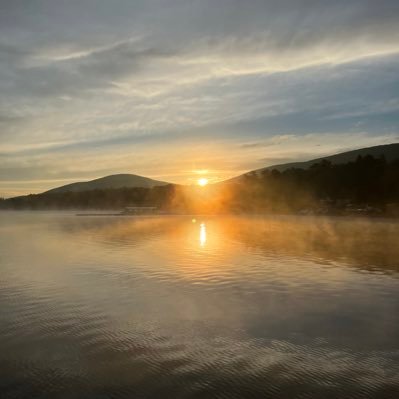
220	307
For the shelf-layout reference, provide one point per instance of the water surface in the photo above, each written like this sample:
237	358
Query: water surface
211	307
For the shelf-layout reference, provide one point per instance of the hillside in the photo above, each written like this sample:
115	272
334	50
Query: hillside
109	182
368	185
389	151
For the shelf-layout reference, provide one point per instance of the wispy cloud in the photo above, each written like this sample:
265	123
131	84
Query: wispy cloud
147	88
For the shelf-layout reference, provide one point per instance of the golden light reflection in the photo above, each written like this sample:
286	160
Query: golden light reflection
202	237
189	246
202	181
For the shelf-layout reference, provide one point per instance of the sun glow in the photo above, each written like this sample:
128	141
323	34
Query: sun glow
202	181
202	237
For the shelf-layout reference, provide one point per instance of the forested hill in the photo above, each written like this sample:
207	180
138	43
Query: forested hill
367	184
389	151
324	187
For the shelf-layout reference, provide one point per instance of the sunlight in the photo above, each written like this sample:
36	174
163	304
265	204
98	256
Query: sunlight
202	237
202	181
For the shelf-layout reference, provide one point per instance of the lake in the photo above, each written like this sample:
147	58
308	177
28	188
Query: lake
198	307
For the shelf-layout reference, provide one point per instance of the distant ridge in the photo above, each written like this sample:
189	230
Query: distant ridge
389	151
109	182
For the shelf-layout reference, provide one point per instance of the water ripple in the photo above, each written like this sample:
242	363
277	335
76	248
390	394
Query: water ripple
228	307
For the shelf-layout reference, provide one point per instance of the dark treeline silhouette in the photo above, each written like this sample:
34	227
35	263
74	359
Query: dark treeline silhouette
367	182
95	199
368	185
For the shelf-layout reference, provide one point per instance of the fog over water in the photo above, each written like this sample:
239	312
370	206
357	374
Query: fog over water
211	307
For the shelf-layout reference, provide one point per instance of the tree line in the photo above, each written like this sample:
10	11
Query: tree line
365	183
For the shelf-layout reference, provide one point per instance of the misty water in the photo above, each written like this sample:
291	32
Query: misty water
211	307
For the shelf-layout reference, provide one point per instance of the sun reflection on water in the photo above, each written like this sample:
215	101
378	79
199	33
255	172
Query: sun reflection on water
202	236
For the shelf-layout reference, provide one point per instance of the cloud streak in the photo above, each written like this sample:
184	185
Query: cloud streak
106	82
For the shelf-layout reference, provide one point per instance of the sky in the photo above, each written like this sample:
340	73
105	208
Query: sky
176	89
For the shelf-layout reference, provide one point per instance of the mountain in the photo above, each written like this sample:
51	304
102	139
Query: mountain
389	151
113	181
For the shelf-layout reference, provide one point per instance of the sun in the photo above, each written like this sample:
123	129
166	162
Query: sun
202	181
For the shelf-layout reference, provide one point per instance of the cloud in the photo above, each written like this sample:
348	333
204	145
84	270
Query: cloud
99	80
